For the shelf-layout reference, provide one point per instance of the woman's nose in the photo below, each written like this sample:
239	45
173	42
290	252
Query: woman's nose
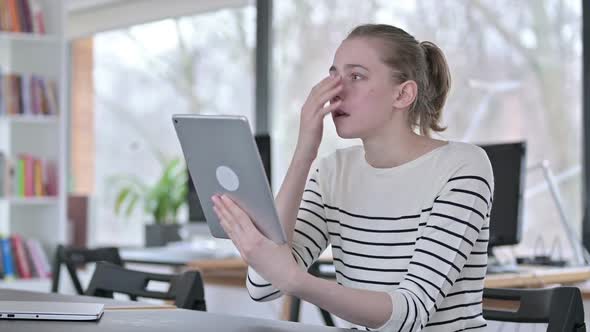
341	93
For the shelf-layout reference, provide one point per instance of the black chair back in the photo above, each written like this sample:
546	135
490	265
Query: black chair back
74	258
561	307
315	270
186	289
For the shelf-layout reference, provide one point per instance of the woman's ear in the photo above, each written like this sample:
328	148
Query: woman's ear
405	94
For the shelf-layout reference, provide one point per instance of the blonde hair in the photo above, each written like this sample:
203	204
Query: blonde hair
422	62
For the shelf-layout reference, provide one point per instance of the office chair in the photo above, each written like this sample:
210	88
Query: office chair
315	270
74	258
186	289
561	307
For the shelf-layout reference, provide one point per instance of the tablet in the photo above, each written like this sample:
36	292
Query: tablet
222	158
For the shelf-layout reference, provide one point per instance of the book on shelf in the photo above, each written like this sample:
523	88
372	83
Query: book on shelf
24	16
3	175
8	264
22	258
27	176
40	261
1	262
27	94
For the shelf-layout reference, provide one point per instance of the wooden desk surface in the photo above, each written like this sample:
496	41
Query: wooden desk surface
175	256
233	272
226	272
539	277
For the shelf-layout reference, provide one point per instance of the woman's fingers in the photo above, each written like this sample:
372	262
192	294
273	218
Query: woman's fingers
224	214
238	225
325	84
329	88
331	108
222	207
232	207
320	84
329	95
230	225
225	224
241	217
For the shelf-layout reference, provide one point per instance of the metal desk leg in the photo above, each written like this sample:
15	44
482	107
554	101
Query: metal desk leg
294	310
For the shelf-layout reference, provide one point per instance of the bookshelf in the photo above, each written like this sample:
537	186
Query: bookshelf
40	136
16	201
14	37
31	119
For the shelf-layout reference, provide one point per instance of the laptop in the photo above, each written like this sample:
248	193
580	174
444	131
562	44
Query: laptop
46	310
222	158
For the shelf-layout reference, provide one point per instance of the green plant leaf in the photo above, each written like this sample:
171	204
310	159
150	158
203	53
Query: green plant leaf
115	181
161	200
121	199
131	205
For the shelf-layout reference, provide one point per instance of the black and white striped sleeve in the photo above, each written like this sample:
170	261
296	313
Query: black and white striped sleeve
310	239
455	222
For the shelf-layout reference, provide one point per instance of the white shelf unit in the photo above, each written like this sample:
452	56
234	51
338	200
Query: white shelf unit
31	119
29	37
35	284
43	218
24	201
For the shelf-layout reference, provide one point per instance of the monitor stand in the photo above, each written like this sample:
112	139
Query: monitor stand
495	267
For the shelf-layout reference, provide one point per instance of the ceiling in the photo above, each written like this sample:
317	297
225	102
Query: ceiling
86	17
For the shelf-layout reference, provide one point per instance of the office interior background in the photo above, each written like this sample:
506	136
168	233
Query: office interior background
127	66
516	76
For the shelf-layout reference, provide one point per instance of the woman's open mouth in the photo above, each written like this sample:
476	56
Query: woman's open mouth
339	113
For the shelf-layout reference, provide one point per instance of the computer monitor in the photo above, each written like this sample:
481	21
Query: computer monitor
509	166
195	211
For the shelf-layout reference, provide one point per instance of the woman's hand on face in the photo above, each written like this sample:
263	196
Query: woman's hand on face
273	262
311	125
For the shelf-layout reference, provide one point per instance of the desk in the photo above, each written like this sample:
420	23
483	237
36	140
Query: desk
531	277
225	270
148	320
110	304
233	272
229	271
175	256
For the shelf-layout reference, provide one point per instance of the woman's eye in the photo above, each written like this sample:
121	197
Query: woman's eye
355	77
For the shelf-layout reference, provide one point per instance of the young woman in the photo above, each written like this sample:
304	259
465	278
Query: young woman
407	215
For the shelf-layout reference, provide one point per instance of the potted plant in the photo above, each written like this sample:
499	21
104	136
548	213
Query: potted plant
161	201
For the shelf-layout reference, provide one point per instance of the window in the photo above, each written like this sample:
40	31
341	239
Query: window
146	73
516	69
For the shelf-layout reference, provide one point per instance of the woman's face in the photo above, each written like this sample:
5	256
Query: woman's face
368	91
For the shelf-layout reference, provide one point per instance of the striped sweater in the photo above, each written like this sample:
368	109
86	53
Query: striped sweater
418	231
